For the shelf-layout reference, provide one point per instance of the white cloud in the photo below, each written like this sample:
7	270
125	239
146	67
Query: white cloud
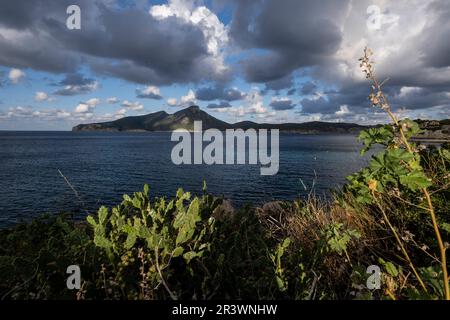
185	101
396	44
20	112
254	103
121	112
150	92
342	111
87	107
189	98
172	102
41	96
16	75
136	106
71	90
82	108
109	116
112	100
93	102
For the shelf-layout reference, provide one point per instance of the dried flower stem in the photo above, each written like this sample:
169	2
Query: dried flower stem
378	98
399	241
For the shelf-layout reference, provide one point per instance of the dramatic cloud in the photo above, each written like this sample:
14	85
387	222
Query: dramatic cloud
324	39
402	49
178	42
291	34
150	92
302	55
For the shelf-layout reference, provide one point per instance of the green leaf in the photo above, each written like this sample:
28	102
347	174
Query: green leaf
102	214
177	252
391	269
91	221
186	222
415	180
188	256
136	203
410	128
445	227
102	242
382	135
131	240
280	284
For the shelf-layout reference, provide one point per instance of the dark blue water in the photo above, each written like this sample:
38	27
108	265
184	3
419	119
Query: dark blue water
103	166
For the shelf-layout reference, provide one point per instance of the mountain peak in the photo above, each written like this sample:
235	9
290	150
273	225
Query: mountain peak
190	109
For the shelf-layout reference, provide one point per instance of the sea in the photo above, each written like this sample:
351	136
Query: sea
77	172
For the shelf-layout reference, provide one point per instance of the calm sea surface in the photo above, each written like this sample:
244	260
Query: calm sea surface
103	166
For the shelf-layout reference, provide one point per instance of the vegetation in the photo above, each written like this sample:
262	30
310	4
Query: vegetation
393	215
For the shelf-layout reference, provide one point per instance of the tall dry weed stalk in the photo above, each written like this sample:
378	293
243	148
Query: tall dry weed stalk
379	99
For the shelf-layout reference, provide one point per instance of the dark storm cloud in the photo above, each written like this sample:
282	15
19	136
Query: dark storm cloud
127	43
280	84
74	84
319	105
37	54
218	92
291	33
18	14
414	98
436	36
308	88
170	49
75	79
355	97
221	105
291	91
26	44
281	105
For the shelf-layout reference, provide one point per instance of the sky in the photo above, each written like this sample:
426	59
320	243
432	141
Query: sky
260	60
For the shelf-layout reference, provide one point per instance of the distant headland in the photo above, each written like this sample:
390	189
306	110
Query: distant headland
184	119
